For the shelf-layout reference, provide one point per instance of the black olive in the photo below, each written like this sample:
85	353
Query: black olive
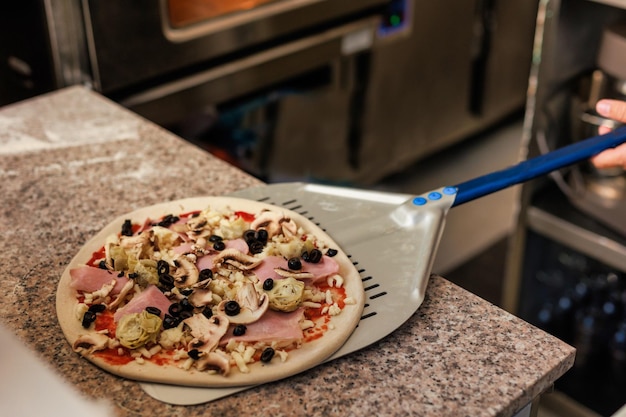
255	247
239	330
294	264
170	322
163	267
88	318
133	275
207	312
175	309
262	236
102	265
166	280
153	310
267	354
97	308
185	314
249	235
206	274
314	256
120	275
186	305
194	354
168	220
331	252
231	308
215	238
186	291
268	284
220	245
127	228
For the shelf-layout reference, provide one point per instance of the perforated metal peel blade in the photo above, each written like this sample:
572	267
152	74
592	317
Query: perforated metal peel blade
392	239
389	239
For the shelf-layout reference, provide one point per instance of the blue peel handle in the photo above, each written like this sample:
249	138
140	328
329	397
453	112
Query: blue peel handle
538	166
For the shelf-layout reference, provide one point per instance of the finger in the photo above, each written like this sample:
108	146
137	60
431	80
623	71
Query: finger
603	129
613	109
610	158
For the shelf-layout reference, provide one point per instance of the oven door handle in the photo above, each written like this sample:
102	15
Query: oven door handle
169	102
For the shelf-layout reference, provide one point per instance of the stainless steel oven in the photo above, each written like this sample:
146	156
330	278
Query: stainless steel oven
194	65
363	88
174	61
142	41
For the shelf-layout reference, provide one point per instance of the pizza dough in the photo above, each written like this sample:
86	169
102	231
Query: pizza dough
337	314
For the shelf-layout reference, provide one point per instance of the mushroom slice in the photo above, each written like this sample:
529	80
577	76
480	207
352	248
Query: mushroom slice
288	226
206	332
142	238
201	297
285	273
237	259
122	295
204	284
186	273
89	343
197	223
216	361
252	305
275	223
268	220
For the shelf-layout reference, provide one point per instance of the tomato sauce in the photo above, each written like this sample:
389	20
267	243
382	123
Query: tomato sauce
96	257
113	357
161	359
104	321
321	320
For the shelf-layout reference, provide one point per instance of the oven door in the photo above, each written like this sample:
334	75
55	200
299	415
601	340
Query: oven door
259	110
132	45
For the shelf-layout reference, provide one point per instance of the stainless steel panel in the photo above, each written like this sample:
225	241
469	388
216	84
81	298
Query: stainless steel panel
419	92
169	103
578	238
129	44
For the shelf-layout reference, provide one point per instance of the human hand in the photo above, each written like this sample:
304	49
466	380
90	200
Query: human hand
616	157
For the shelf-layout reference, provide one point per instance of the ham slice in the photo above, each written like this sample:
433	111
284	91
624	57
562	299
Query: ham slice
181	249
266	269
272	326
90	279
326	267
150	297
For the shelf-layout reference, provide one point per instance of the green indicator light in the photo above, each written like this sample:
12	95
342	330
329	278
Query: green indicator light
395	20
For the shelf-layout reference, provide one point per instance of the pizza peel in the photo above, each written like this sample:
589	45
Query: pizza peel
391	238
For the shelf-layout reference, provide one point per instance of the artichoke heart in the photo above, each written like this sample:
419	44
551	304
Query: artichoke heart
119	258
286	295
146	271
136	329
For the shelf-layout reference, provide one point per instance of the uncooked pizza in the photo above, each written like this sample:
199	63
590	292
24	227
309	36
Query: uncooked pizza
212	292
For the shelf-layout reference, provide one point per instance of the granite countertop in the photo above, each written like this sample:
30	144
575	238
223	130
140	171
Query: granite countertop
71	161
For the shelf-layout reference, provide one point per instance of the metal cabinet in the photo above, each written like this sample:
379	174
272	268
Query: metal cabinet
567	260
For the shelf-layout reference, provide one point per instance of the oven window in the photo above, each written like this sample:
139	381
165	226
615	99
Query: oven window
187	12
